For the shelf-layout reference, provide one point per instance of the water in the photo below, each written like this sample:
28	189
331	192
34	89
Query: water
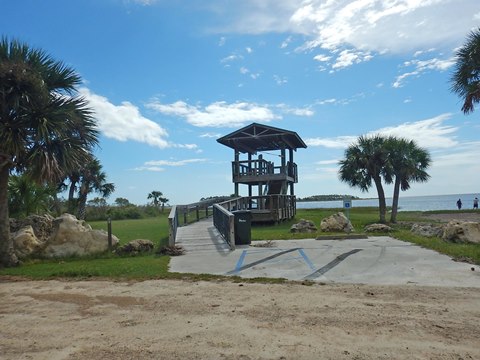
405	203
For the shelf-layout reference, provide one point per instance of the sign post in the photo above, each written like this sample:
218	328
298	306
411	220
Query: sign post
347	204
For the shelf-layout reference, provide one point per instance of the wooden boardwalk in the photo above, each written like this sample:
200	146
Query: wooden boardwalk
201	236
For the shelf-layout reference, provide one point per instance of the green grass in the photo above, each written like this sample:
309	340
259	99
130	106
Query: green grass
151	266
154	229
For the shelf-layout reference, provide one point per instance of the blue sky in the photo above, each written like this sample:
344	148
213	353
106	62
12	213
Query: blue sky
166	78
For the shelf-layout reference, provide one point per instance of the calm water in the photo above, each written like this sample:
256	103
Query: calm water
405	203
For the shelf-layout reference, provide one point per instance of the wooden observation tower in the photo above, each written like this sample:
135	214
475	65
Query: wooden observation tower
272	182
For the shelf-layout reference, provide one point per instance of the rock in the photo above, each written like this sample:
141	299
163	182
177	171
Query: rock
135	247
462	232
377	228
429	230
75	237
25	242
336	222
42	226
304	226
63	236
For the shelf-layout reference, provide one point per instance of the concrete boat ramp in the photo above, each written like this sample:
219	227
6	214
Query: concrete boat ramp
379	260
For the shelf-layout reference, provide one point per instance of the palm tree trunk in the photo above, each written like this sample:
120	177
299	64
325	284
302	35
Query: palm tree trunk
82	204
71	199
396	194
7	255
382	205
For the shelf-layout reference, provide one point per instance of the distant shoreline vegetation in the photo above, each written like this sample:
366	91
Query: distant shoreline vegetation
334	197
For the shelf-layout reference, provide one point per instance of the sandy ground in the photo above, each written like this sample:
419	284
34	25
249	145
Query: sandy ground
172	319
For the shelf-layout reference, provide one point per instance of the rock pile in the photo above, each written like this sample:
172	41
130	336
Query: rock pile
45	236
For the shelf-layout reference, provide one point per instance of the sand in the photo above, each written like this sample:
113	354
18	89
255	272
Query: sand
181	319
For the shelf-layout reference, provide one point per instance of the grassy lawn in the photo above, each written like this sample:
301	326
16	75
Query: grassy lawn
152	266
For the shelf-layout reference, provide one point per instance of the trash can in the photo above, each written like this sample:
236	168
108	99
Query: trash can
243	227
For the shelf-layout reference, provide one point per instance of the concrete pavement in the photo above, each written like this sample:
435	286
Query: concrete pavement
377	260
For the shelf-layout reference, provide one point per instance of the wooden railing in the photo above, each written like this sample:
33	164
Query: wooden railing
186	214
224	222
172	225
256	168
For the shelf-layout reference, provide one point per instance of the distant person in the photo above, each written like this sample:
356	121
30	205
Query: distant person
475	203
459	204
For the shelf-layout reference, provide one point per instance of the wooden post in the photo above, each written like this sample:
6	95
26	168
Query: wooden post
109	227
197	210
185	209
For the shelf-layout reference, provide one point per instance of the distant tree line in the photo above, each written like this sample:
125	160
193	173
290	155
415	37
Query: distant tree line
331	197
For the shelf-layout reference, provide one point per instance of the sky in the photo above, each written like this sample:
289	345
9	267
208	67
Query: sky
166	78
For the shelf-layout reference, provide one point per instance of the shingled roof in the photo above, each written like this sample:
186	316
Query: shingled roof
257	137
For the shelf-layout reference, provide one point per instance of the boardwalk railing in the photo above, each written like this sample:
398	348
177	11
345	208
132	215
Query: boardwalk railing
224	221
172	225
186	214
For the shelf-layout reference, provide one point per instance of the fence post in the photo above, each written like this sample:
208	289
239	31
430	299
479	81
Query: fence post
185	209
197	210
109	227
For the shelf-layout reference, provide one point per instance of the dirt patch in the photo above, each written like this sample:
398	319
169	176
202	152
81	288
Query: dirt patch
170	319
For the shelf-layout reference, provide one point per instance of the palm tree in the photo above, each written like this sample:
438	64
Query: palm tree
365	162
157	197
45	128
407	163
92	179
466	77
27	197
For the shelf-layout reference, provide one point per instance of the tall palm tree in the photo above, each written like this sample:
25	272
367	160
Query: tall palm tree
466	77
363	164
92	179
45	128
407	163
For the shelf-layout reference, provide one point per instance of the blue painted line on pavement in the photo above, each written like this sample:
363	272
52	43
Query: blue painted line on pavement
240	261
238	269
307	260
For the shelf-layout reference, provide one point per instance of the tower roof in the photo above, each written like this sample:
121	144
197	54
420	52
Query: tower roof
257	137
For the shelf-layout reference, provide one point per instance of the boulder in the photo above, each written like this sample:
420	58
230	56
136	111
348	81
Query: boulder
135	247
462	232
428	230
336	222
26	243
304	226
63	236
377	228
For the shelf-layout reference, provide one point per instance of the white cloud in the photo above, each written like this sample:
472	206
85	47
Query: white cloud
249	50
322	58
244	70
222	41
307	111
159	165
286	42
422	66
327	162
124	122
349	57
369	27
217	114
174	163
339	142
280	80
231	58
429	133
210	135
